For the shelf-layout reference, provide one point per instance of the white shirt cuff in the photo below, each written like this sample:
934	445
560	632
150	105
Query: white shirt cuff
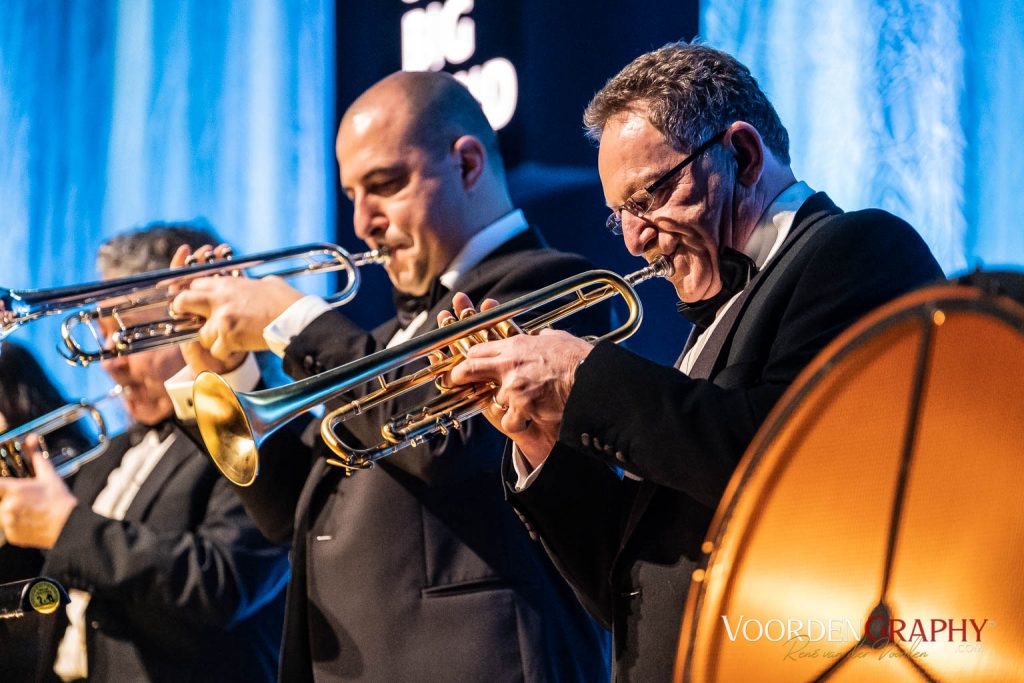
179	387
278	334
524	475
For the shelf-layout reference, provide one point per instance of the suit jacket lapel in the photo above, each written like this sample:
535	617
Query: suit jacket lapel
92	478
471	279
814	210
691	339
178	452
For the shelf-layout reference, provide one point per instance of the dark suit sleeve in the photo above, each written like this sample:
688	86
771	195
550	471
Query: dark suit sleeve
218	572
575	506
329	341
689	434
285	463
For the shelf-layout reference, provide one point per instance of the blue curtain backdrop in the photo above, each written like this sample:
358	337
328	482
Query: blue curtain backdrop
117	113
914	107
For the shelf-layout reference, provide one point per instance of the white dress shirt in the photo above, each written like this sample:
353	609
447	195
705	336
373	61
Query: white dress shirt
179	387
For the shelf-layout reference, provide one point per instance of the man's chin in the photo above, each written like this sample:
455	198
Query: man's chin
145	414
691	290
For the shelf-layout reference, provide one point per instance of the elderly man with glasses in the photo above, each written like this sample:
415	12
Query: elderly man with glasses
618	463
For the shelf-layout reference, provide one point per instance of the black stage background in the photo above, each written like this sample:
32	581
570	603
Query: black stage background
562	53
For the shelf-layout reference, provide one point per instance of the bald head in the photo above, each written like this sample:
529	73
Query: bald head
421	166
431	109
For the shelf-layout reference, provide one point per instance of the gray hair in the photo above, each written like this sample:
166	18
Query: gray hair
688	92
151	247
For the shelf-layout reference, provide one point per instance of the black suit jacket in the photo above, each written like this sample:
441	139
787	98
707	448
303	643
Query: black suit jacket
185	588
417	569
19	638
628	547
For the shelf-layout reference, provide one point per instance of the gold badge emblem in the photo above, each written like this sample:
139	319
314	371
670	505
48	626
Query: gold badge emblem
44	597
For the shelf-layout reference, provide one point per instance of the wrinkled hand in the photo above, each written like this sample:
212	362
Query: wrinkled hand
236	310
33	511
534	374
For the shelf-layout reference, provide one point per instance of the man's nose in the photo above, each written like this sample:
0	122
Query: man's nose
368	218
637	233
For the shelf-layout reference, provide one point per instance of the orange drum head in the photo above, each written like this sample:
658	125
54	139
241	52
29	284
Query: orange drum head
875	528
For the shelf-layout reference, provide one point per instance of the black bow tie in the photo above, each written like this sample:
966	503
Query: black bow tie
408	306
736	269
138	431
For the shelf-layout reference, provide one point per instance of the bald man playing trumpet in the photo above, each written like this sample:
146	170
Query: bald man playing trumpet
393	565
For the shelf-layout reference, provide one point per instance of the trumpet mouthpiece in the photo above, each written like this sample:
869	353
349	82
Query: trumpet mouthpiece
660	267
379	255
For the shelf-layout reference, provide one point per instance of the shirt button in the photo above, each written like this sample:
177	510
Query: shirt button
585	439
95	625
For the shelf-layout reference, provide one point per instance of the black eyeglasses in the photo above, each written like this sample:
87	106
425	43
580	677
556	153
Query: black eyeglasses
641	201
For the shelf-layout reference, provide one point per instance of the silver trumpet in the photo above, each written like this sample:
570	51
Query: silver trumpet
118	299
234	425
12	461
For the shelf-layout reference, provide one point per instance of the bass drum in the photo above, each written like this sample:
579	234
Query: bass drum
875	527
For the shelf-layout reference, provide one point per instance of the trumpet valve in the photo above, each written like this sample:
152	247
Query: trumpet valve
506	329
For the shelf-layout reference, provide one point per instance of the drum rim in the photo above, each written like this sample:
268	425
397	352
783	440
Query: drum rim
922	304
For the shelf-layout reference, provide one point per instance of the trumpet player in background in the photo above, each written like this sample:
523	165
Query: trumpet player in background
416	569
694	163
26	393
169	578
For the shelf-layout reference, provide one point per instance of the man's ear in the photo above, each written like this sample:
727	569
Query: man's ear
472	157
746	146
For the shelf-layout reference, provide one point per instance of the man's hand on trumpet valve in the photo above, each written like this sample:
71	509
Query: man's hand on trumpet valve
533	374
236	310
34	510
198	357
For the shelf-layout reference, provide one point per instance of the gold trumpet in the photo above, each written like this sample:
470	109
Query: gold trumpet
155	290
13	464
234	425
